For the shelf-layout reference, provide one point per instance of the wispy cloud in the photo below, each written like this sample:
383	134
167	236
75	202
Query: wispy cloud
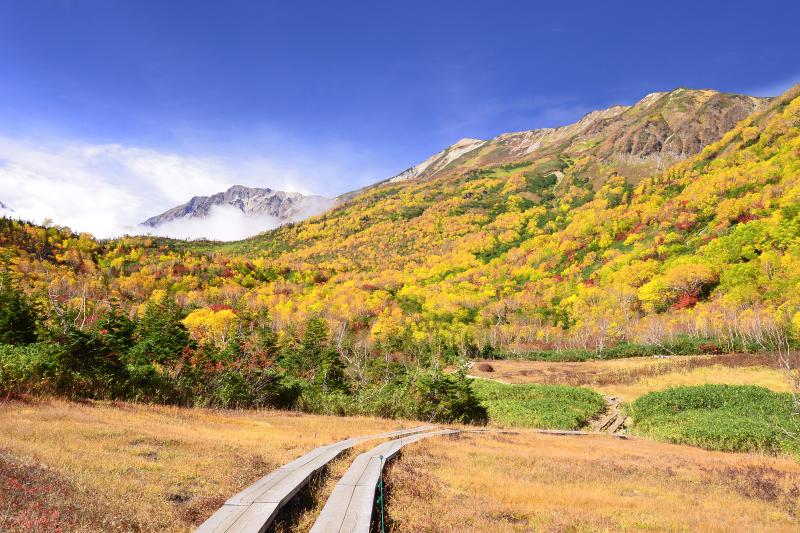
776	88
108	189
223	223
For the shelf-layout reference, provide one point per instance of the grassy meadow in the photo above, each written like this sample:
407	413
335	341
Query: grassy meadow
720	417
117	466
632	377
125	467
531	482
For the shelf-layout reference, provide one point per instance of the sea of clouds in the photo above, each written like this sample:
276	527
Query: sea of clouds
109	189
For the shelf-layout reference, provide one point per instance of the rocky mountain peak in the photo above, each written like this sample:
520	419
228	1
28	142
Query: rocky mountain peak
251	201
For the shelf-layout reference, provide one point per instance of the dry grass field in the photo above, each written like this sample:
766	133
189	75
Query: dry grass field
632	377
524	482
126	467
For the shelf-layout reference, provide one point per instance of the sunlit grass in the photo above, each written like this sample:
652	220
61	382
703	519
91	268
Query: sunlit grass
538	406
491	483
630	378
164	468
769	378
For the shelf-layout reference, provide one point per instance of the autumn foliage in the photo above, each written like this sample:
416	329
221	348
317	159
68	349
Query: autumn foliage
409	277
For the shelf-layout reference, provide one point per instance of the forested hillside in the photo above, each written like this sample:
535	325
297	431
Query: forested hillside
568	246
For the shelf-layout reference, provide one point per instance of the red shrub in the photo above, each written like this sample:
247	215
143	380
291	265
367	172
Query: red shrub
685	300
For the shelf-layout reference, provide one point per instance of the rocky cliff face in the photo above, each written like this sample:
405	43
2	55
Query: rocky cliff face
439	161
283	206
634	141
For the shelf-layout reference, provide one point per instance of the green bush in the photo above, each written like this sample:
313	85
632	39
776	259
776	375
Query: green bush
540	406
719	417
17	315
446	398
32	368
431	396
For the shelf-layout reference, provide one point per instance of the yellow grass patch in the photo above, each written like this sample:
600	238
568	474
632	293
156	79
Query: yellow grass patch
632	377
751	375
163	468
524	482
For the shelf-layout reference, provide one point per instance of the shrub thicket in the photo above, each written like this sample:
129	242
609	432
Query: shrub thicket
541	406
153	359
720	417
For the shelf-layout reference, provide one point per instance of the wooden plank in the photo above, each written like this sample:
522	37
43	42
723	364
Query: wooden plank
349	508
327	521
359	513
561	432
248	495
224	518
256	518
618	424
606	421
255	508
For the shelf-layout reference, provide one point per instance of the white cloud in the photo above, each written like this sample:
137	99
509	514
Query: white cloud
223	223
108	189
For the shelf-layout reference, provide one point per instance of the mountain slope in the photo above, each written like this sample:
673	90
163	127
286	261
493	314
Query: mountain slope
517	251
636	140
439	160
632	140
283	206
540	253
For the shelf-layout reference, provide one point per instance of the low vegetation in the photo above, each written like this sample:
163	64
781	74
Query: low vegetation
528	482
201	359
682	345
720	417
113	466
538	406
761	376
630	378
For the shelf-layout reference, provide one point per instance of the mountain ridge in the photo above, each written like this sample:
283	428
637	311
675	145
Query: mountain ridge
512	257
251	201
682	122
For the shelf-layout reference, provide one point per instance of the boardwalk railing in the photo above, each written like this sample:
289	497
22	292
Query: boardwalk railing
254	509
349	507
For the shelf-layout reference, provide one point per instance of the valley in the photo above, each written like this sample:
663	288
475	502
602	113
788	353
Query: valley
382	267
633	273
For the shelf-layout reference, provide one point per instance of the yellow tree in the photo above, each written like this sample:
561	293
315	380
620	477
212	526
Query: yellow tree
210	326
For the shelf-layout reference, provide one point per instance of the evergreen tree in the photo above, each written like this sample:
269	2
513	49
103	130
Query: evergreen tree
160	335
17	315
304	360
315	340
330	375
116	331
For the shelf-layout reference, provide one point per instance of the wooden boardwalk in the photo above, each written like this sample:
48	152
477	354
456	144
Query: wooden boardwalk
349	507
614	420
255	508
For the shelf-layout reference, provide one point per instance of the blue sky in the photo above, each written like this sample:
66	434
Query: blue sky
326	97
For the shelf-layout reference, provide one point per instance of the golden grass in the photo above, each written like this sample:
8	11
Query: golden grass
524	482
750	375
632	377
161	468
